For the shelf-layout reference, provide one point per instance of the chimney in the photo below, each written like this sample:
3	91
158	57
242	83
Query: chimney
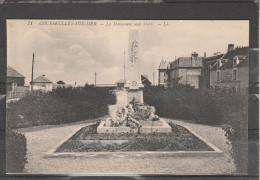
230	47
205	55
194	57
194	54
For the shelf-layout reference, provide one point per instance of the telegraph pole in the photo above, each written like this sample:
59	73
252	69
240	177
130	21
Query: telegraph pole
32	72
95	78
124	65
153	78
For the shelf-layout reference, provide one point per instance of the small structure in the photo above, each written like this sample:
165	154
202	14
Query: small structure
41	83
162	73
15	81
186	70
13	78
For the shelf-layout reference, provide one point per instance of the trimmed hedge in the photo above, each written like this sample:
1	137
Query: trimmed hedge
60	106
212	106
15	152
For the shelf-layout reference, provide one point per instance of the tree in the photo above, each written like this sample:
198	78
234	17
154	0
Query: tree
60	82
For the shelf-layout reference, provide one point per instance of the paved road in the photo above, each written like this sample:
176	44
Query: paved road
40	140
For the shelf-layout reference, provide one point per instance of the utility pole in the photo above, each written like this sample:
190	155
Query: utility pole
124	65
32	72
95	78
153	78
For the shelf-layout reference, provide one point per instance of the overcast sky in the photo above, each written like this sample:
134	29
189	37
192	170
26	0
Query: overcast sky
73	53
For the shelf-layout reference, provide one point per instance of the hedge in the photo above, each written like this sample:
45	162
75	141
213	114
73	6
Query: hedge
15	152
60	106
212	106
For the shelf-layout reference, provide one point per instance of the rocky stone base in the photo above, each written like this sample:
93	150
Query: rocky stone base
147	127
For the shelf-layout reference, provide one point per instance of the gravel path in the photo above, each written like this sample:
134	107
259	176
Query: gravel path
41	139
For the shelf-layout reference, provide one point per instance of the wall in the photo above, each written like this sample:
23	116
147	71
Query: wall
184	62
193	77
243	77
213	78
18	80
162	77
10	80
39	86
182	73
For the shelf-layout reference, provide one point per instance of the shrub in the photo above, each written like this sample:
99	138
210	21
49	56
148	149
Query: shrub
211	106
62	105
15	152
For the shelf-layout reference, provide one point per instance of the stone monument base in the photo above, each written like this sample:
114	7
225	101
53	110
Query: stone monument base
159	126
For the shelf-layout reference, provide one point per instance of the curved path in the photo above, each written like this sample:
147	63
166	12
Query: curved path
42	139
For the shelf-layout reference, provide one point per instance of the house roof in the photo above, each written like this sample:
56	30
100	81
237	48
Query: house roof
229	56
212	58
244	62
163	65
41	79
13	73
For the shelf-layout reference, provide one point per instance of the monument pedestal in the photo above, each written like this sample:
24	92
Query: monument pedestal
134	90
147	127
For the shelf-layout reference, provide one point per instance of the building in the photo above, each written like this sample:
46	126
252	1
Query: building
15	81
13	78
41	83
207	63
162	73
232	69
186	70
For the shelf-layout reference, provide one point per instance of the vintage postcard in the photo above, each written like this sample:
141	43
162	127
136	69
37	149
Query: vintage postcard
127	97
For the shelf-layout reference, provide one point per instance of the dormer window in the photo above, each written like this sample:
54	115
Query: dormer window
237	60
219	64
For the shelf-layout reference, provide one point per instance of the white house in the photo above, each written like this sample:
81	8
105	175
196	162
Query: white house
41	83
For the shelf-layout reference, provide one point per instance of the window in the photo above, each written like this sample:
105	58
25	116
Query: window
235	74
234	61
44	85
218	76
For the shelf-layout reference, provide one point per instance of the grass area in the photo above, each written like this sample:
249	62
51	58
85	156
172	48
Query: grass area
180	139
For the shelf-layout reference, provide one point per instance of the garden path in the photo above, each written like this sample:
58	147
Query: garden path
42	140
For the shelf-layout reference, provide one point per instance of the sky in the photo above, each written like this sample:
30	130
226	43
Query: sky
73	50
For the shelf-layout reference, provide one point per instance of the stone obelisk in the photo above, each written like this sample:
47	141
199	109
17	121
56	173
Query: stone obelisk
133	84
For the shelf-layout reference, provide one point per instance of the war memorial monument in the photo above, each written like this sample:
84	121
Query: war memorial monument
135	116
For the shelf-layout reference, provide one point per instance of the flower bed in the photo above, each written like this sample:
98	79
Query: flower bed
180	139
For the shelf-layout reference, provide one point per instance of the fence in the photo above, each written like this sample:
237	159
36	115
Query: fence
12	95
18	92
